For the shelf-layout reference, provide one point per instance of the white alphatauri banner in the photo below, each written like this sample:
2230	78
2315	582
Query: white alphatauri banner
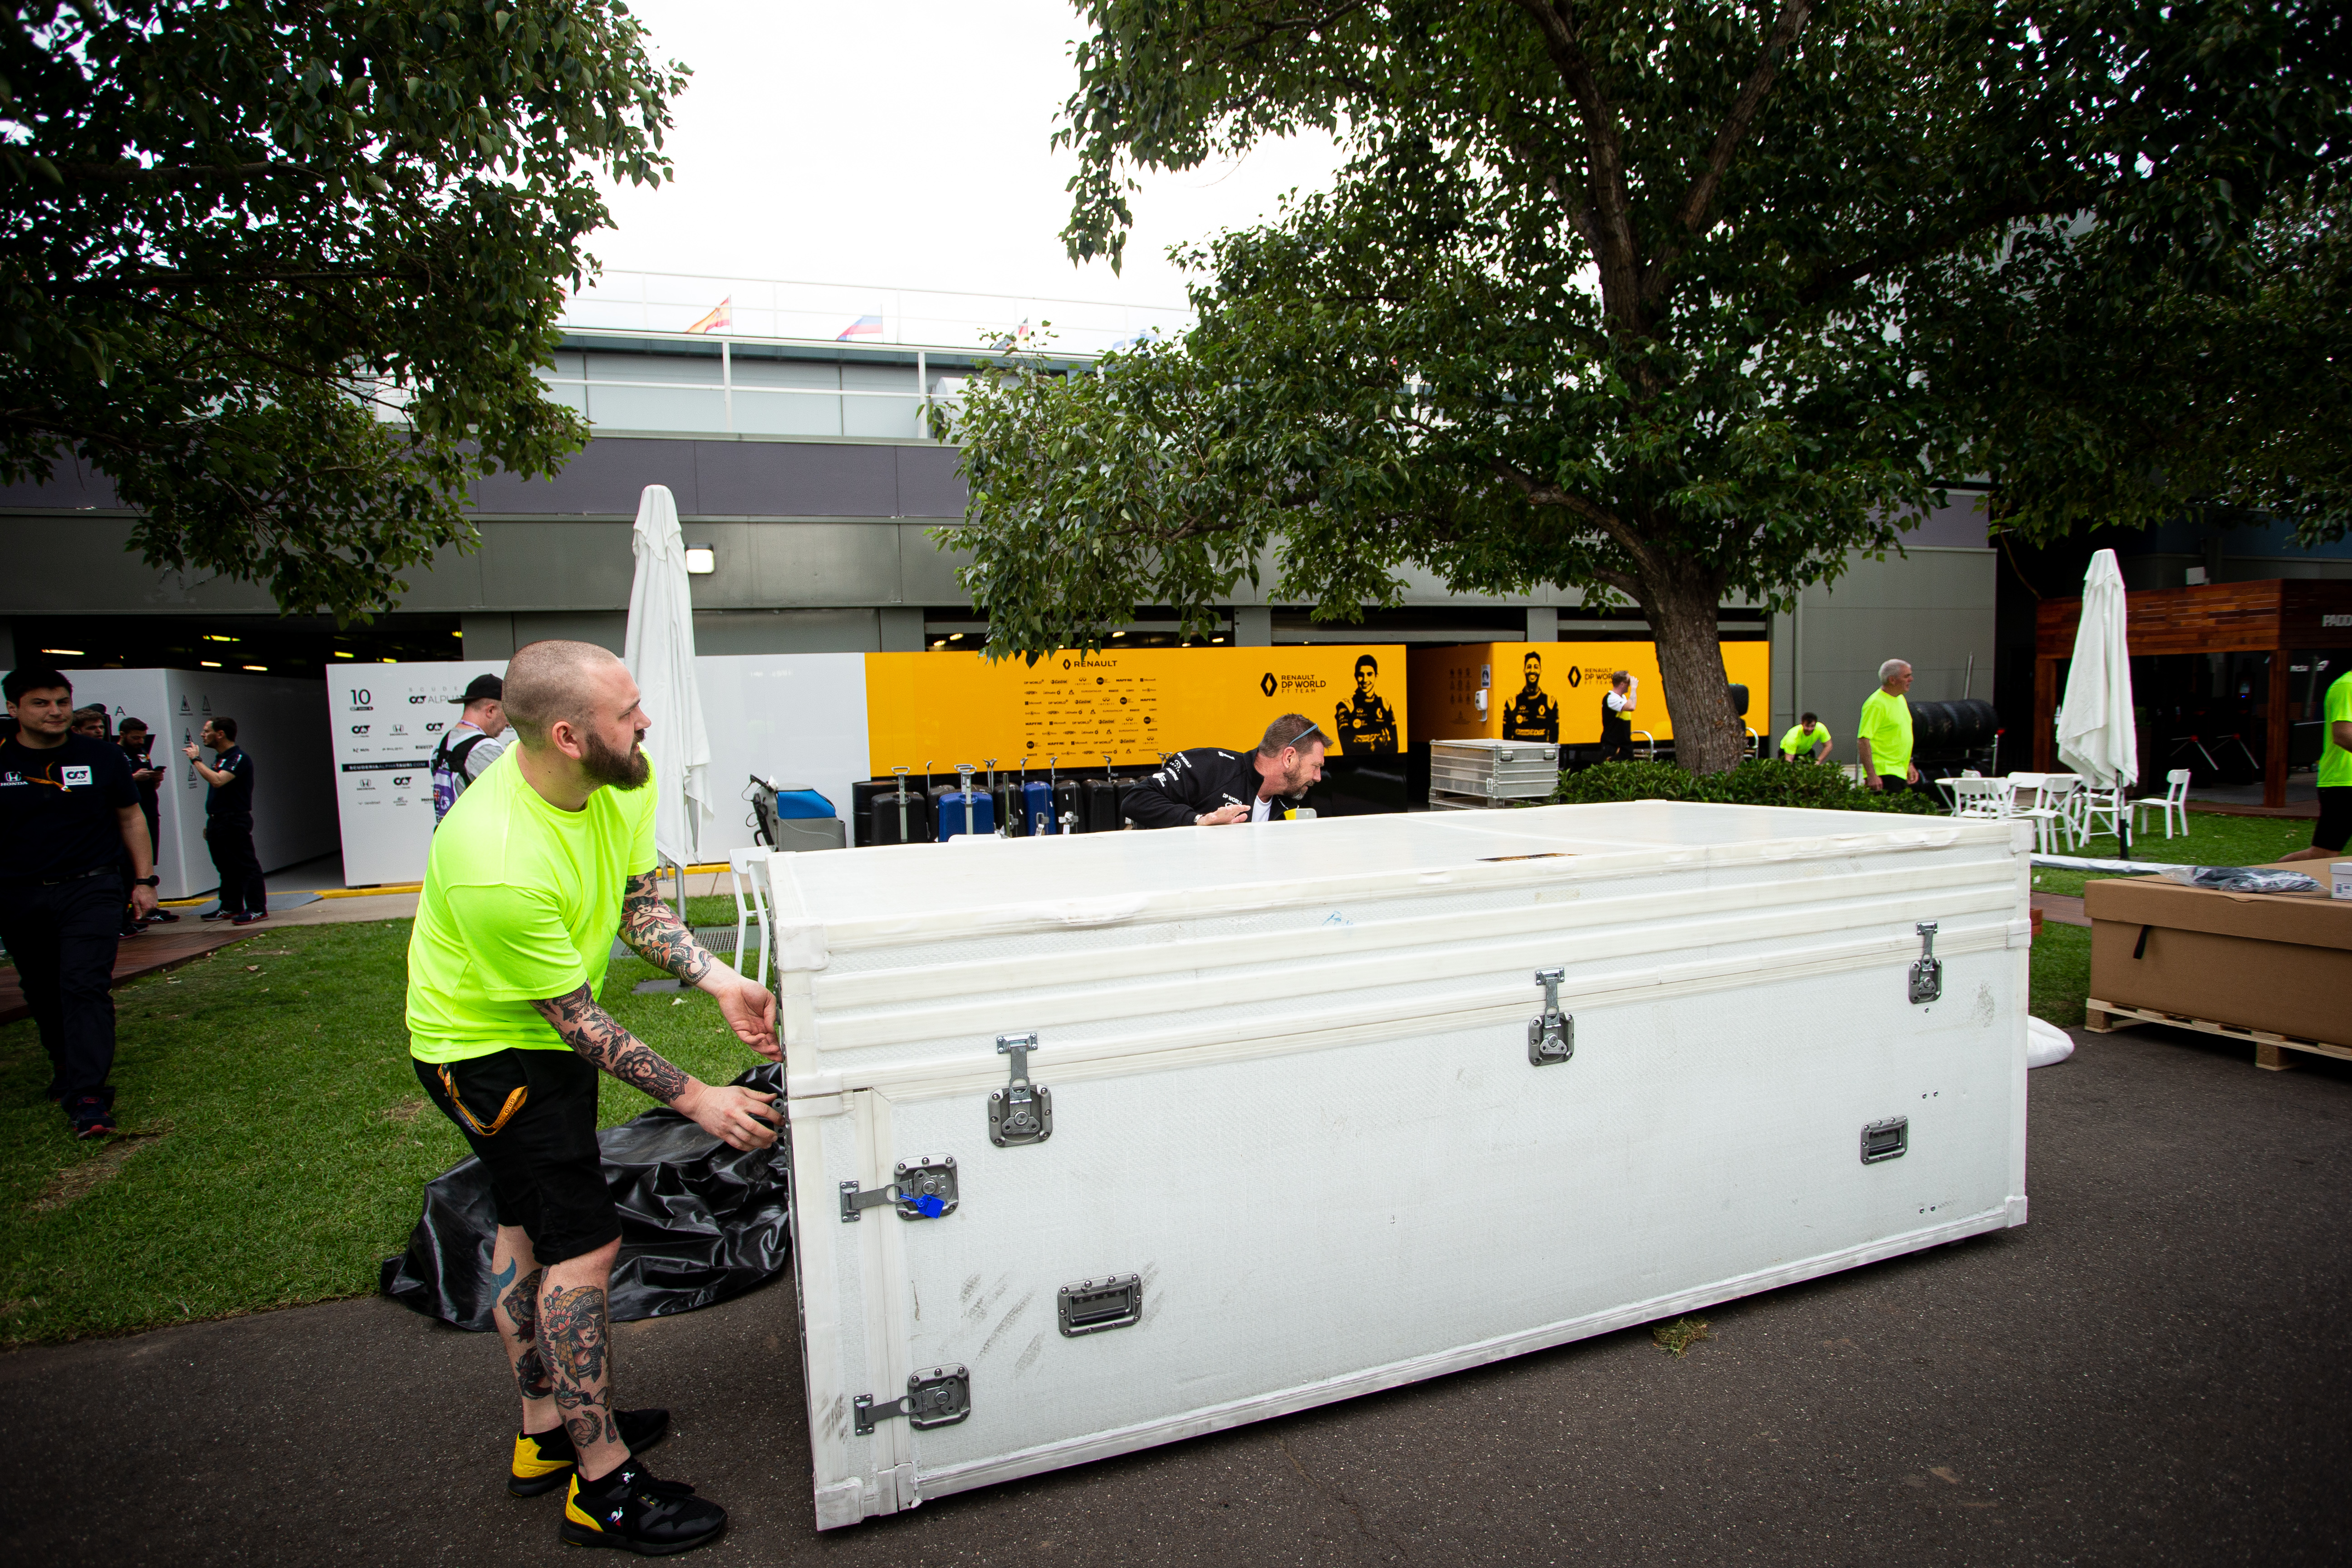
386	719
798	719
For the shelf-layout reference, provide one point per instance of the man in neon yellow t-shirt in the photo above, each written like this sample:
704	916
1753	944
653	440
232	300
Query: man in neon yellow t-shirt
538	864
1884	732
2335	825
1808	743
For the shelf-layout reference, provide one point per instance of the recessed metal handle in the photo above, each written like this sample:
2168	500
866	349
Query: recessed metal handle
1887	1139
1091	1306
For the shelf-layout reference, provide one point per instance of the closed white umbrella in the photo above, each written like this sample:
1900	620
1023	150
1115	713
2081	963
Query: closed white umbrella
659	653
2097	737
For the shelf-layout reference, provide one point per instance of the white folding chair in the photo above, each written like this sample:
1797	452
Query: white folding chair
2037	801
749	868
2173	802
2090	805
1981	798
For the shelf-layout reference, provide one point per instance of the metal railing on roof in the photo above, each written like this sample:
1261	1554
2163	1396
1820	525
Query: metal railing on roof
952	320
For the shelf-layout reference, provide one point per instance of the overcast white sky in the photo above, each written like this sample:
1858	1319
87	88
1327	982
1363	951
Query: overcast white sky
902	143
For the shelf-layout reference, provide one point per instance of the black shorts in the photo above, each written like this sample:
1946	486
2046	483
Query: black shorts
545	1172
2335	818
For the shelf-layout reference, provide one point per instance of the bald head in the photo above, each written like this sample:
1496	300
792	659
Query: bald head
551	682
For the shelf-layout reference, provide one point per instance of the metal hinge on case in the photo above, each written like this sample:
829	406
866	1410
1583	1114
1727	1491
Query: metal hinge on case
1020	1112
1552	1033
935	1397
923	1188
1927	974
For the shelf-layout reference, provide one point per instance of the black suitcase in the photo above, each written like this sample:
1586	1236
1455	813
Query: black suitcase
902	817
1012	803
1070	806
1102	797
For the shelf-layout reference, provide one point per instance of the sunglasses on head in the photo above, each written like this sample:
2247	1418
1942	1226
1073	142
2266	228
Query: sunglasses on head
1299	740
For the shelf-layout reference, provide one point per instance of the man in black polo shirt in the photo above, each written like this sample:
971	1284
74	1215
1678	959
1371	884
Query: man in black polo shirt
1209	787
69	812
228	824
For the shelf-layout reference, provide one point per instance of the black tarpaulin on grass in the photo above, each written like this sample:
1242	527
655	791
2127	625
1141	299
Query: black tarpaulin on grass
700	1223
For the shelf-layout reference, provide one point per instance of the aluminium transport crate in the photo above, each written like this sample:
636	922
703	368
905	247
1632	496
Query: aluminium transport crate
1106	1141
1491	771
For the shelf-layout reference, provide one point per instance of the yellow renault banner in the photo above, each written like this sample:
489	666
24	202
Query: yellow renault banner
1552	691
1135	705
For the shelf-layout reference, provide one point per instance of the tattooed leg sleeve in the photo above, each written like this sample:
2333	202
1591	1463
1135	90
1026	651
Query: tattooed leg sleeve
577	1340
515	1278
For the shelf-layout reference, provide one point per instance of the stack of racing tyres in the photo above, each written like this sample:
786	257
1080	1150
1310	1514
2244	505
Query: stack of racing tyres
1124	1138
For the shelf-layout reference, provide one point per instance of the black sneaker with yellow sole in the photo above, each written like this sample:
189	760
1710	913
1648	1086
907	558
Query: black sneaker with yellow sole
631	1511
544	1459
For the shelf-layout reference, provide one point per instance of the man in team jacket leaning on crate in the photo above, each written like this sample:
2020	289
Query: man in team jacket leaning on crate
539	863
1209	787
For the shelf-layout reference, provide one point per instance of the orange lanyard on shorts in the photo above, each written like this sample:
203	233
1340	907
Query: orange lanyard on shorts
514	1103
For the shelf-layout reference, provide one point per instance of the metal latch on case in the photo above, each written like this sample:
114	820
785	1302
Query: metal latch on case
1020	1112
1552	1033
1927	974
1090	1306
935	1397
923	1188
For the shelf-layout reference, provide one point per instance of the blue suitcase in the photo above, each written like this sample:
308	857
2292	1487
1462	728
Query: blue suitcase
1039	797
965	810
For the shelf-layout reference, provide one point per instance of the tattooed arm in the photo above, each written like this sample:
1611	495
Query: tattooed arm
738	1117
656	934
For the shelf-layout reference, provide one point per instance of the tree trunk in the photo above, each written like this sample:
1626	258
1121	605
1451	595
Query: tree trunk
1708	735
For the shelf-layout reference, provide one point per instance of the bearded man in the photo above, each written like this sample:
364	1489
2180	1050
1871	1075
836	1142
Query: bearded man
1209	787
537	866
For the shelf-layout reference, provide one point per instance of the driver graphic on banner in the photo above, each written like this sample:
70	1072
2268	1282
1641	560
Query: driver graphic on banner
1532	716
1367	725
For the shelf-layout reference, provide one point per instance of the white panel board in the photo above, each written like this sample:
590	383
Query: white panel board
278	723
798	719
795	718
386	719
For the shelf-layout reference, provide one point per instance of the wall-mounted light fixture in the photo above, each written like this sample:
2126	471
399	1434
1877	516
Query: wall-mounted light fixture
701	560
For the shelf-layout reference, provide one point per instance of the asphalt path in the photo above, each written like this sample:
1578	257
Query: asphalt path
2154	1371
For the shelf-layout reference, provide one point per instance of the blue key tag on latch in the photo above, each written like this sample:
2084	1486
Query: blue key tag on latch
929	1207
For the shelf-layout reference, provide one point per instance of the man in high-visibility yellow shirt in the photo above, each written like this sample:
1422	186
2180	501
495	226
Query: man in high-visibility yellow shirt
1808	743
1884	732
2334	828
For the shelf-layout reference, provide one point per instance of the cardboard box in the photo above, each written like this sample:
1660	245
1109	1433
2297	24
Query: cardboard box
2275	961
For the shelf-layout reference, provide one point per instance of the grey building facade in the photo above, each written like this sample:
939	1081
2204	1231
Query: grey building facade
802	466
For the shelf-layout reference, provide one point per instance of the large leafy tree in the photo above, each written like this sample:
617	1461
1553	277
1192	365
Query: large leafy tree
284	269
2094	392
1611	294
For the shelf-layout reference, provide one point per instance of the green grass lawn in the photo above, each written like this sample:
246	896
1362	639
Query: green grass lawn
2212	840
281	1141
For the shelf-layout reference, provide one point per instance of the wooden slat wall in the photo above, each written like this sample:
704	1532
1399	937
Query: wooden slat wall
2214	618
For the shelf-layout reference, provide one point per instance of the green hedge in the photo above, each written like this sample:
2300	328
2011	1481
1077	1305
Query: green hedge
1812	786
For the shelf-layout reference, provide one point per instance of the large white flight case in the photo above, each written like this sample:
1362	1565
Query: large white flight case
1104	1141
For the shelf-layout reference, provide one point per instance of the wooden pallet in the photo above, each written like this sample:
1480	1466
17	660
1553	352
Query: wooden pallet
2103	1017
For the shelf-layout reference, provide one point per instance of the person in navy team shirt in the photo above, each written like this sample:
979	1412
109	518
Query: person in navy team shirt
69	816
228	824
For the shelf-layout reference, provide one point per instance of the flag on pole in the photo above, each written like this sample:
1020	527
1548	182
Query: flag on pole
719	320
864	327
